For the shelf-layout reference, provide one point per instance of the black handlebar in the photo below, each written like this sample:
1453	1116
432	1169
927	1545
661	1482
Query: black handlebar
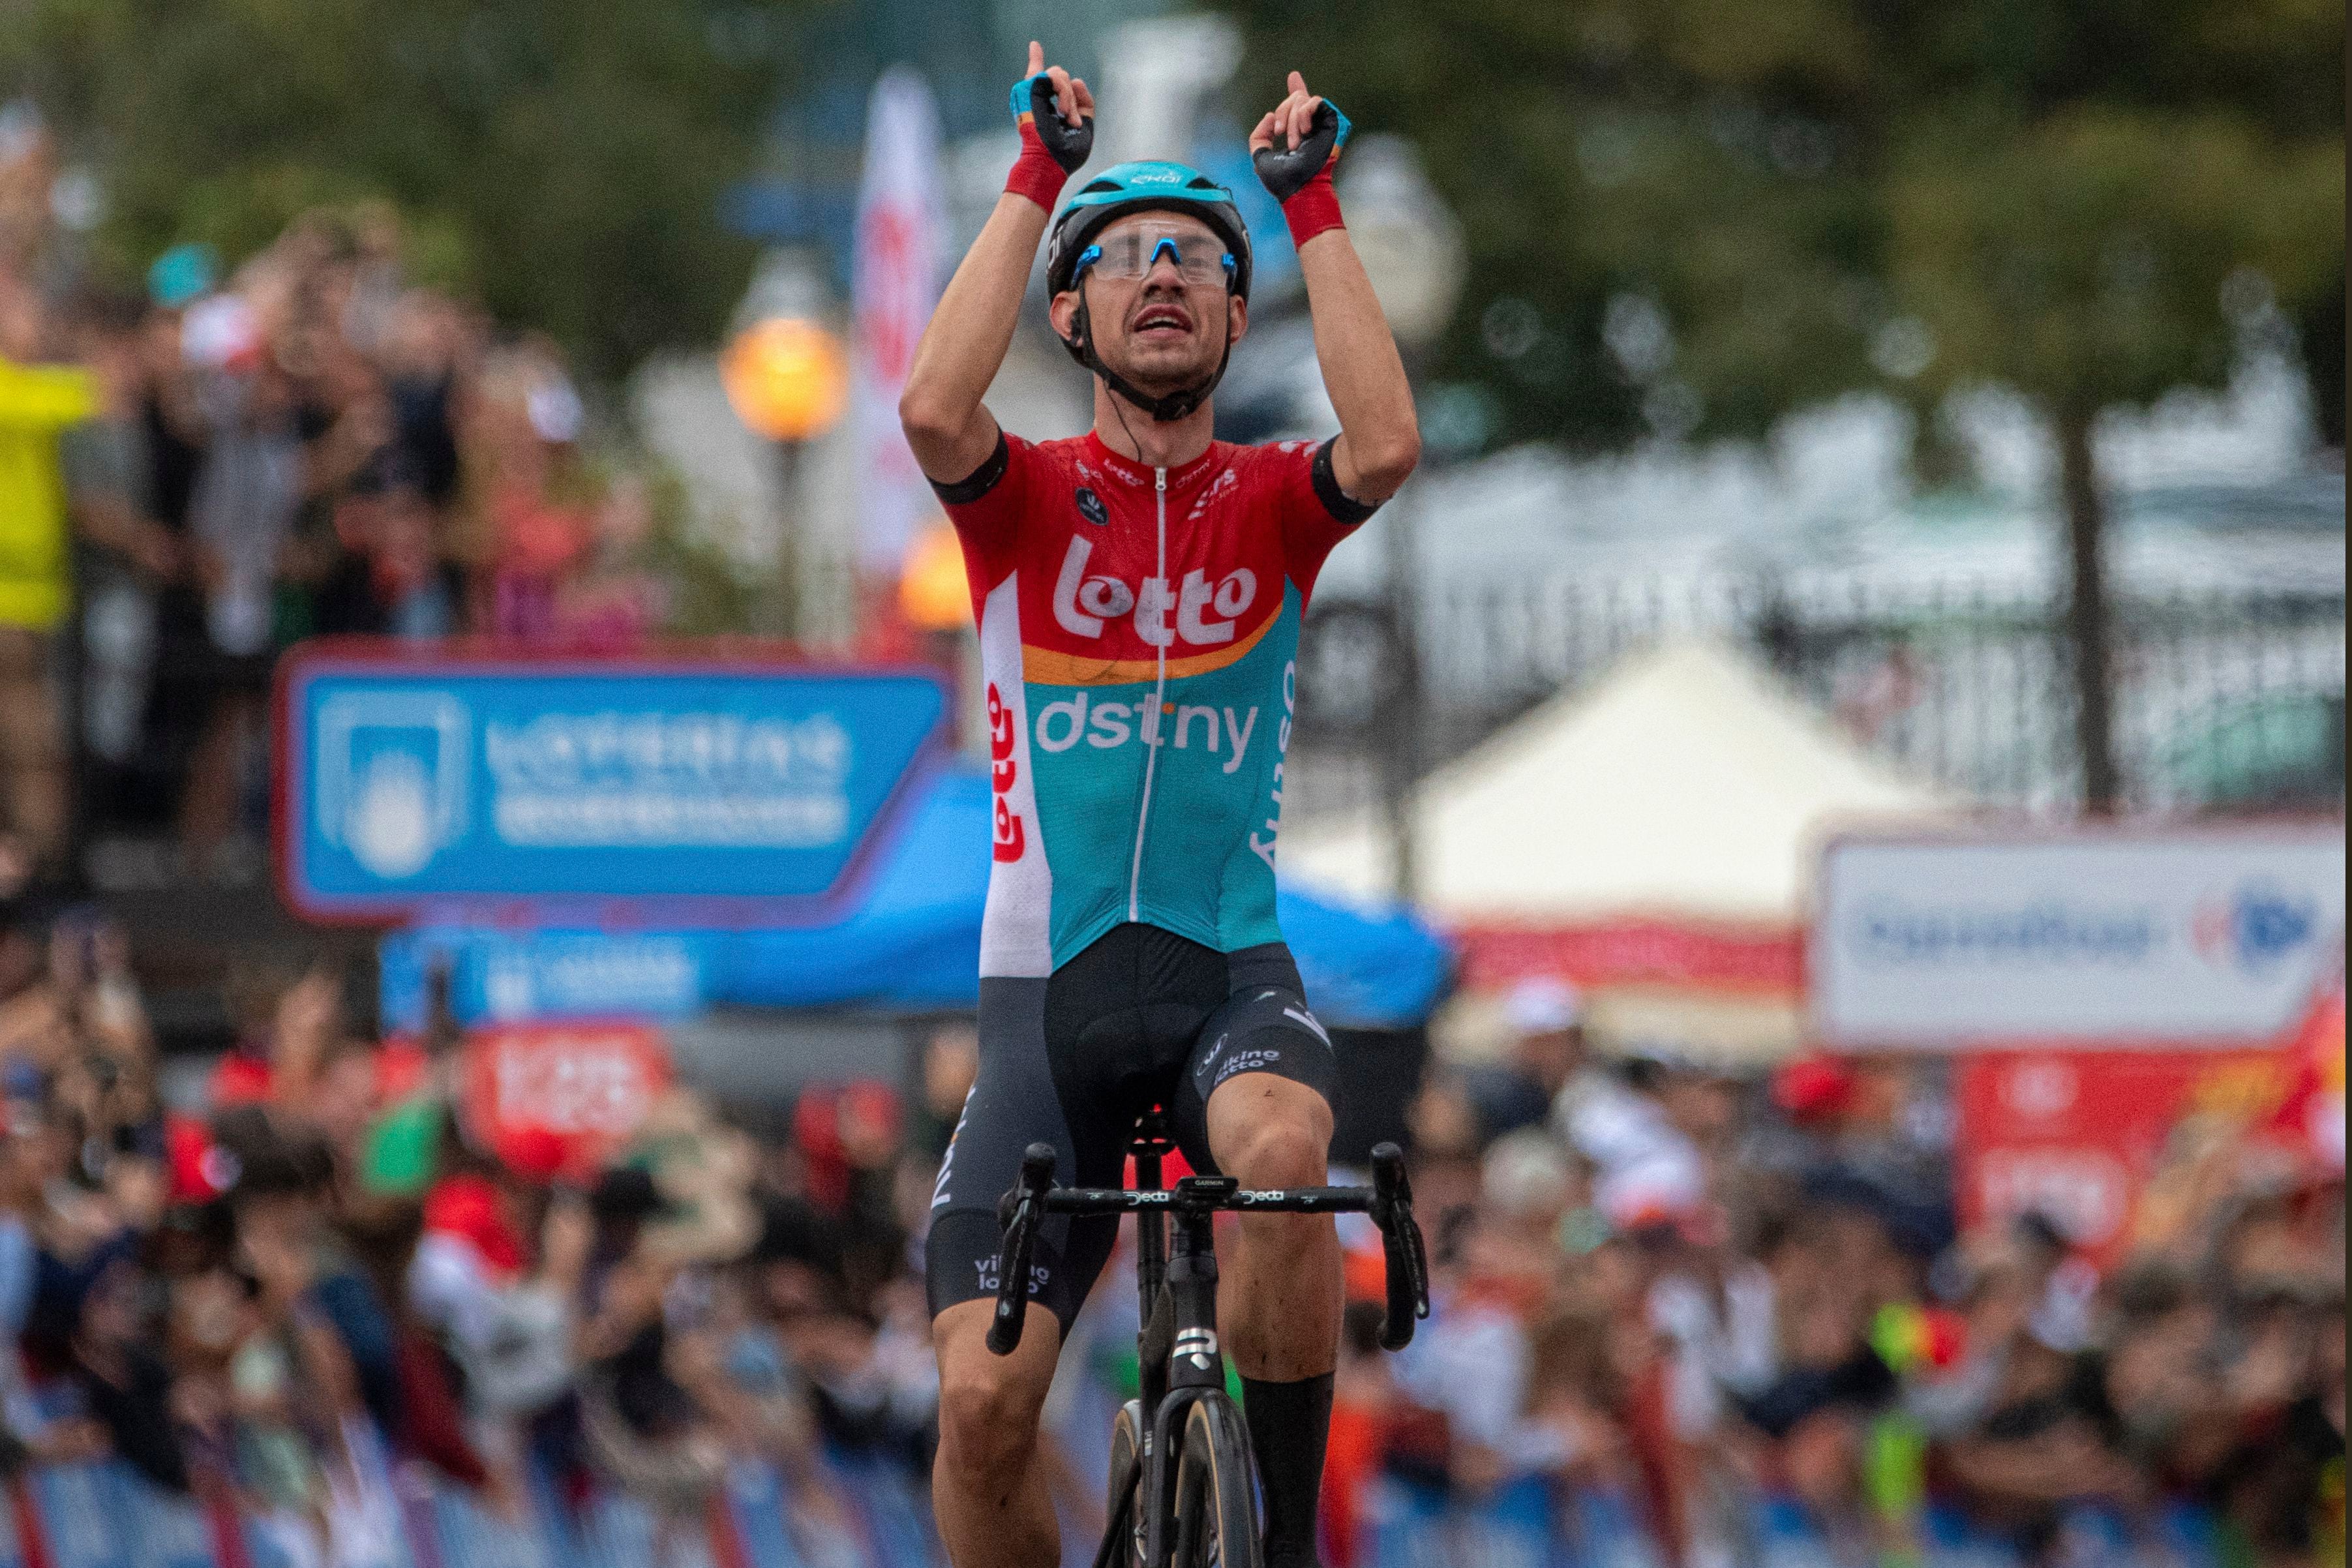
1228	1199
1389	1200
1019	1214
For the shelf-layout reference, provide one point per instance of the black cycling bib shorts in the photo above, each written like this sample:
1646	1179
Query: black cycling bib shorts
1139	1017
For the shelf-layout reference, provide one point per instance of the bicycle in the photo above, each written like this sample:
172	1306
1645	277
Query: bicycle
1182	1479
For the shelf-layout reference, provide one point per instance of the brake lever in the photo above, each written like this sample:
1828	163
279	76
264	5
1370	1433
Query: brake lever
1019	1212
1417	1257
1402	1252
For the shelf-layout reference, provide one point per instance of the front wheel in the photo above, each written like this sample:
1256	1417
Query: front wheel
1125	1510
1217	1499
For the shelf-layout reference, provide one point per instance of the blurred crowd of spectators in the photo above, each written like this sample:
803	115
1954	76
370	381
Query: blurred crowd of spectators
1740	1313
316	1268
199	473
1706	1320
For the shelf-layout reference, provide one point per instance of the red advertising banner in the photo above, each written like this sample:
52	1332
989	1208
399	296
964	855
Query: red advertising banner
560	1095
2077	1134
2312	1109
1676	953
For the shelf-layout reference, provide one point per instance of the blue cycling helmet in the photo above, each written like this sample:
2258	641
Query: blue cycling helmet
1144	186
1136	188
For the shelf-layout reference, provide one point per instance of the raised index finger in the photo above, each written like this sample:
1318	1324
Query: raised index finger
1037	58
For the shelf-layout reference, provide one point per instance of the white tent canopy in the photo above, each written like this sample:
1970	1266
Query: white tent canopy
1685	785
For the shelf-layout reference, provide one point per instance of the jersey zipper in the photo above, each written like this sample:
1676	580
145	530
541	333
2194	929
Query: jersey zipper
1158	695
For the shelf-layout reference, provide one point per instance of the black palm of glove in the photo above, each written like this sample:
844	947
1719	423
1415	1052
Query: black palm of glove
1285	171
1071	145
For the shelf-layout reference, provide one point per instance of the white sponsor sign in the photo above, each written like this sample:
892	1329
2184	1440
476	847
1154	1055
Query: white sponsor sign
2200	936
606	780
894	282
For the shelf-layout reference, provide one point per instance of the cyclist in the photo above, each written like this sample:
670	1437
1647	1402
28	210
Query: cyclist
1138	592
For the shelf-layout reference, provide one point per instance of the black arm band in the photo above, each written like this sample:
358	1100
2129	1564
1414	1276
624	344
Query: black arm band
1336	501
981	480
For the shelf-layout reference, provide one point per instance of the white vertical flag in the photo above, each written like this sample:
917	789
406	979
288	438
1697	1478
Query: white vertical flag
894	284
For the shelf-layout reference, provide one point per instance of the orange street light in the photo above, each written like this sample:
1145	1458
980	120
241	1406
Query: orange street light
932	594
787	379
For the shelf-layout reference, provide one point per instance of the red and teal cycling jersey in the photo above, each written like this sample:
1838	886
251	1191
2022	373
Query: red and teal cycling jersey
1138	632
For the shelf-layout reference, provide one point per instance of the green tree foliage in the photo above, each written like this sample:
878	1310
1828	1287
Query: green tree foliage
1693	218
562	160
1787	199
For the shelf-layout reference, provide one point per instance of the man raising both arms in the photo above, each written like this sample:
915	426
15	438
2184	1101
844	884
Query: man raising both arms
1139	591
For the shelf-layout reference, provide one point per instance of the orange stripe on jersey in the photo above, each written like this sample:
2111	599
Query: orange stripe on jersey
1052	667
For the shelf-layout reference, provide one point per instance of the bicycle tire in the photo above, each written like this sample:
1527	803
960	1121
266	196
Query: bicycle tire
1216	1490
1125	1514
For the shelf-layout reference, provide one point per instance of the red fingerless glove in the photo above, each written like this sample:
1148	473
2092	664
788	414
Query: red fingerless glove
1313	207
1035	174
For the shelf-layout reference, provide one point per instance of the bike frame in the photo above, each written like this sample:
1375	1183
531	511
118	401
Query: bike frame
1180	1360
1150	1147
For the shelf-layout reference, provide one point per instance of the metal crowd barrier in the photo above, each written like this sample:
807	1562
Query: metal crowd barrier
1530	1524
389	1515
398	1515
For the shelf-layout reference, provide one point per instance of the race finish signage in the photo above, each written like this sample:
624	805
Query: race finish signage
2195	936
435	783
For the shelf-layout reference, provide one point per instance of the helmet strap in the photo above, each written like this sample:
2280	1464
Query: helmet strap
1164	410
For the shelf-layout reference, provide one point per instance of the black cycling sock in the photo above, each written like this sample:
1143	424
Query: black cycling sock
1289	1424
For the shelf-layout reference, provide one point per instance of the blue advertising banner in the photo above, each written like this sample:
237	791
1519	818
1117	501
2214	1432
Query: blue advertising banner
521	976
909	941
413	781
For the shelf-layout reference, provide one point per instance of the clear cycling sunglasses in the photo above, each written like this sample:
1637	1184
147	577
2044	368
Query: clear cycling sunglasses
1129	254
